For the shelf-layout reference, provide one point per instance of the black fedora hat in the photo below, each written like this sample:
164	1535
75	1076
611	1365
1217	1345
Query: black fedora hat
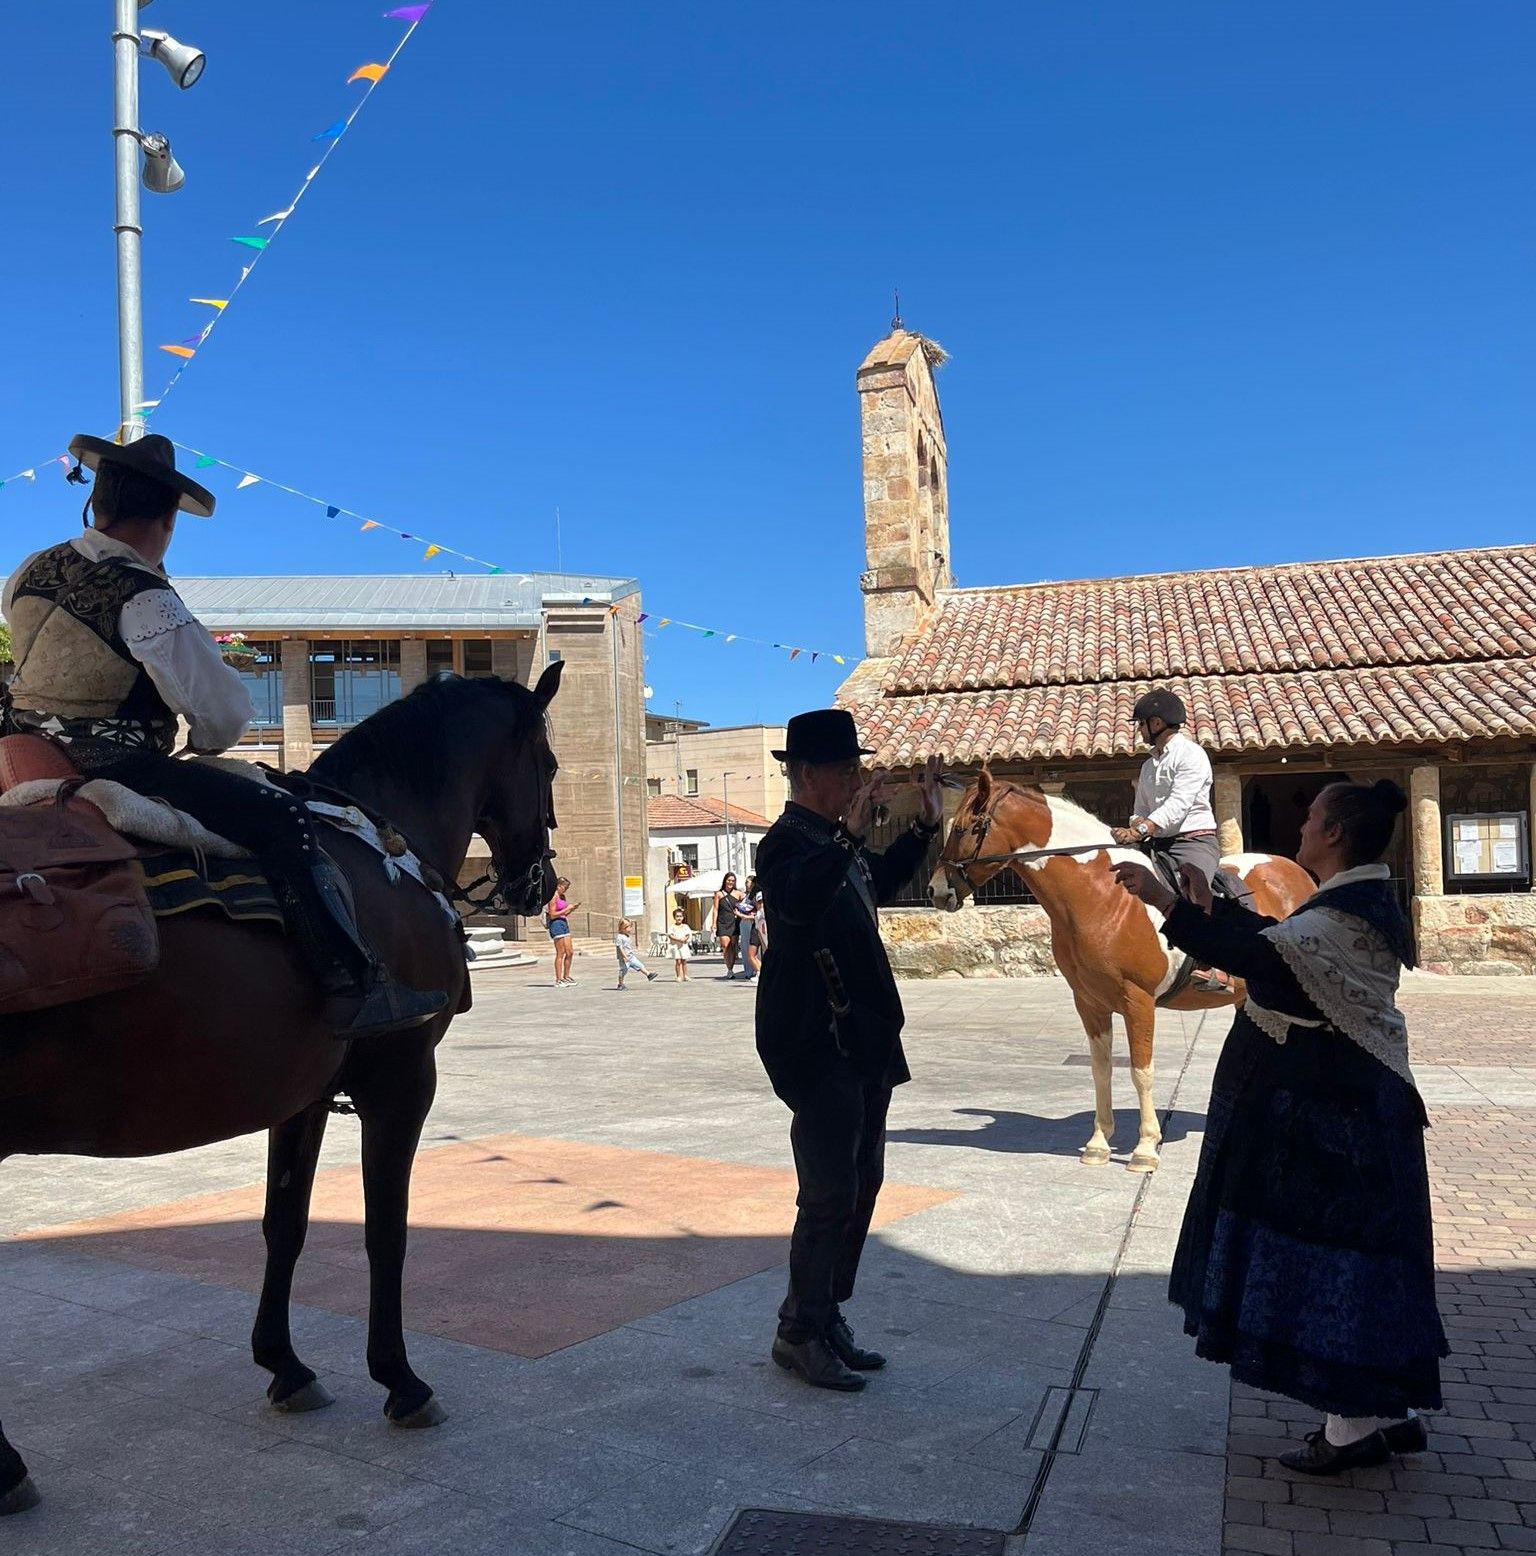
823	735
152	456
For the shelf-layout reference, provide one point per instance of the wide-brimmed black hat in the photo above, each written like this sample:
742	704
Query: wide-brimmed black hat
152	456
823	735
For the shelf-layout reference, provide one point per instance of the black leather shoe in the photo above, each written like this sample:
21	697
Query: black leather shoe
814	1361
848	1351
1320	1457
387	1006
1410	1436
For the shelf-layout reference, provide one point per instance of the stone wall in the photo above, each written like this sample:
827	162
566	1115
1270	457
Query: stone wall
1485	934
1007	942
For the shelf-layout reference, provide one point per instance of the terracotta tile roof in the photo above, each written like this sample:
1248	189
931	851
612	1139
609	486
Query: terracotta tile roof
700	811
1394	650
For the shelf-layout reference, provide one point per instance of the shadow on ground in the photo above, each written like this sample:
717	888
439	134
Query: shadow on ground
1028	1134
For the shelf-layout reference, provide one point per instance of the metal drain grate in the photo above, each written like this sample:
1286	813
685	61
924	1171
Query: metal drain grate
757	1532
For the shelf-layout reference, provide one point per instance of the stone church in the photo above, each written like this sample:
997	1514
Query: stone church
1419	668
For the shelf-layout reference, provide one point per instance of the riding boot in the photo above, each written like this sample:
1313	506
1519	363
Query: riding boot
362	997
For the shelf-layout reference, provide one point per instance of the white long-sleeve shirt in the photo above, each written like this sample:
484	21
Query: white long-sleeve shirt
175	649
1174	789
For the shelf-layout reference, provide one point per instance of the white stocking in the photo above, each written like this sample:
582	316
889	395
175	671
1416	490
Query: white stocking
1341	1431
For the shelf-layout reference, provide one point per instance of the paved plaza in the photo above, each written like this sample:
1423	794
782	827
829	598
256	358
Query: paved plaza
600	1214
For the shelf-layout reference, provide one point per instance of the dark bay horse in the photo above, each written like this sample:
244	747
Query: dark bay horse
1105	941
225	1038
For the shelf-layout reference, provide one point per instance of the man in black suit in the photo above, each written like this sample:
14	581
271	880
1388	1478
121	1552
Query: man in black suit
829	1023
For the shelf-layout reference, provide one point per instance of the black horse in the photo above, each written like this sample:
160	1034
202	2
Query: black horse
231	1017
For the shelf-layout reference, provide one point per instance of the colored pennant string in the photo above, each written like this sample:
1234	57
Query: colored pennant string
370	74
367	523
204	461
247	480
430	552
180	351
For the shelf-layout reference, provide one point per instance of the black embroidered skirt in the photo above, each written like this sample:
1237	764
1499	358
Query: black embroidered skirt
1306	1259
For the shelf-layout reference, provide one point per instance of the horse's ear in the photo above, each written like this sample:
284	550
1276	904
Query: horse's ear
983	788
549	684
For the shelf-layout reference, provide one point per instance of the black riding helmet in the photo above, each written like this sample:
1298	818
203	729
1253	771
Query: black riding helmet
1161	704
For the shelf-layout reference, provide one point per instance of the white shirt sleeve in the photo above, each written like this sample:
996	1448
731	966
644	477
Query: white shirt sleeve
1145	797
185	664
1190	781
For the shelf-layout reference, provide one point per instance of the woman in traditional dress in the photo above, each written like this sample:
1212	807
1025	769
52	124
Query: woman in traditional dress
1306	1259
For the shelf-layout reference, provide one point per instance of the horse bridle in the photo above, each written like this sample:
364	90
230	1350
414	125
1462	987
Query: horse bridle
955	869
507	892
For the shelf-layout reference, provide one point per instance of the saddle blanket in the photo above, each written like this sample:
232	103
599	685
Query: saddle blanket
179	882
134	815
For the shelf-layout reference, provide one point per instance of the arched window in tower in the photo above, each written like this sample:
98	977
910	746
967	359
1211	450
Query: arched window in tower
922	462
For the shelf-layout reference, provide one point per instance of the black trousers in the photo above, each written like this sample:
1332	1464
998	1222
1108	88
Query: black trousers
838	1137
274	825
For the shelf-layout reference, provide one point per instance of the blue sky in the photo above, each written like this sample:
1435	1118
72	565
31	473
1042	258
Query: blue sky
1222	283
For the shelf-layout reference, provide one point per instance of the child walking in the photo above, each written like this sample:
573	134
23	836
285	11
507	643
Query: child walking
680	935
624	948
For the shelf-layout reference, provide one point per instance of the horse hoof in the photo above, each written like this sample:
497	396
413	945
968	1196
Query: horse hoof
429	1414
20	1497
1141	1163
1095	1156
312	1396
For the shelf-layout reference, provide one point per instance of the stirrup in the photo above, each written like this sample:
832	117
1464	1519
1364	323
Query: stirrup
1212	980
387	1005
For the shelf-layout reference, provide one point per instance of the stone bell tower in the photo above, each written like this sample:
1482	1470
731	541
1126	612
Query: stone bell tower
906	487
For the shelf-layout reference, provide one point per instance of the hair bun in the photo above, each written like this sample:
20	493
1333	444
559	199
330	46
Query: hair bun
1389	796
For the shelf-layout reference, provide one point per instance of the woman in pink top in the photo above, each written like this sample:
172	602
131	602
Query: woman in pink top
557	915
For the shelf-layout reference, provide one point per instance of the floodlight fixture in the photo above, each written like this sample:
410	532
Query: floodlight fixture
162	172
182	62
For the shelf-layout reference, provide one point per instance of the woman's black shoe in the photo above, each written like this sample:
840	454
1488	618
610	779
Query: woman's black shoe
1320	1457
815	1361
847	1350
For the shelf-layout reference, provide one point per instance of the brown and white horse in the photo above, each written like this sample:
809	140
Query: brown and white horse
1106	942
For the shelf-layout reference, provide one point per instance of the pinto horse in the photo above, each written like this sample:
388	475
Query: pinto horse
226	1037
1105	941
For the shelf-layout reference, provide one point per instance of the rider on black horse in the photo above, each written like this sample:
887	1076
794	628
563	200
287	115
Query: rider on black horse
1173	804
107	655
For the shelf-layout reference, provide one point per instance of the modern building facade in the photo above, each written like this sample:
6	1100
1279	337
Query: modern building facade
332	650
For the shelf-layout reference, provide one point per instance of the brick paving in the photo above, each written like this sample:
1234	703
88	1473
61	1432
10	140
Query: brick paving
1475	1490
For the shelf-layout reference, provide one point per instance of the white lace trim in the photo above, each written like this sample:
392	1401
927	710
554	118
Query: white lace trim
153	614
1274	1023
1347	969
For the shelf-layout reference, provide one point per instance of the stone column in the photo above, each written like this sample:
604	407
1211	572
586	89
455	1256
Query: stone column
1424	812
413	664
1227	802
298	732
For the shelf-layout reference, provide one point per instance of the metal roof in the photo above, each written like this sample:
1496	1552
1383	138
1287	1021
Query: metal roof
398	601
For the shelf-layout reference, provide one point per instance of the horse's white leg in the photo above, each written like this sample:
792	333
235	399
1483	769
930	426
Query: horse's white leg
1140	1022
1097	1024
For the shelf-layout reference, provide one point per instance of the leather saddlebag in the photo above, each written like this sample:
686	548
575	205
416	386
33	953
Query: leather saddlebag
74	917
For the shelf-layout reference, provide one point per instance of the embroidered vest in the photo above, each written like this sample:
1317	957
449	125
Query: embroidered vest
74	676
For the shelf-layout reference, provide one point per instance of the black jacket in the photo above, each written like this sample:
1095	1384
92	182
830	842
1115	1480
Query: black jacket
807	872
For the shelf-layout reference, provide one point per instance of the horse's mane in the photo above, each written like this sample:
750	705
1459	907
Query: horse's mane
404	738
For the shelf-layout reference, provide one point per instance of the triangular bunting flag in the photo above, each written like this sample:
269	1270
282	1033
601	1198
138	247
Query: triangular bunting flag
666	621
838	659
204	461
250	243
64	460
730	637
331	131
179	351
373	73
431	551
408	13
709	634
494	571
276	216
643	616
369	524
220	303
794	654
246	480
815	657
331	512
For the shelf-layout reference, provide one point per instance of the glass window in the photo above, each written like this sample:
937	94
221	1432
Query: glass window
691	781
264	682
439	656
653	788
477	656
351	679
688	853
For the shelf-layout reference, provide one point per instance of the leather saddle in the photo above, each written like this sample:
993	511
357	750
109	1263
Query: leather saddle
1226	884
75	920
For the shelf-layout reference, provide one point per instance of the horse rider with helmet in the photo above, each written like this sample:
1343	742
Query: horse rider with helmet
107	656
1173	802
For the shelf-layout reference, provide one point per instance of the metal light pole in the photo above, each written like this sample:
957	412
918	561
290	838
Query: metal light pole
730	863
130	300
